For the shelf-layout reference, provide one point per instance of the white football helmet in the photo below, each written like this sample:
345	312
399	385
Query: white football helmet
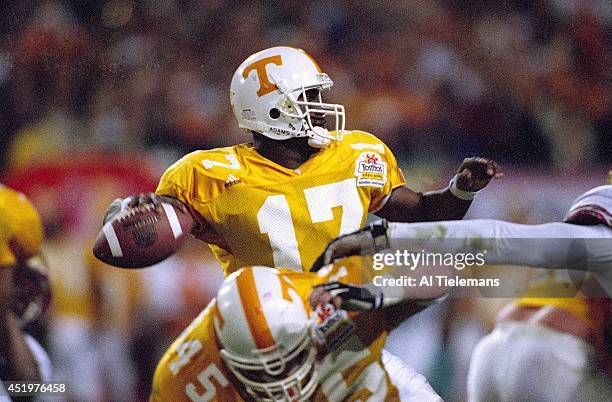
264	331
592	208
268	94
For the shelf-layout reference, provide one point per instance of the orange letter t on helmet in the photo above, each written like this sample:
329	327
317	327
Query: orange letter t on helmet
265	86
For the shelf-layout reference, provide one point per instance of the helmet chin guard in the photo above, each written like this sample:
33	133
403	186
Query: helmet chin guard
318	137
268	96
277	382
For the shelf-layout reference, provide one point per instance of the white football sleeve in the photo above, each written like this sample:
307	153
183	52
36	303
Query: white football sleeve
555	244
42	358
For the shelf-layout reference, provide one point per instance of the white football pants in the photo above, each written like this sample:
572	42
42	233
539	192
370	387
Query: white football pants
412	386
522	361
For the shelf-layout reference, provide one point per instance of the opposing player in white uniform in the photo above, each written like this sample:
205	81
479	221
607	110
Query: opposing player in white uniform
549	345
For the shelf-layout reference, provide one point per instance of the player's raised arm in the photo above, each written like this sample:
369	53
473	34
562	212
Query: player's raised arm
381	299
16	359
24	296
552	245
405	205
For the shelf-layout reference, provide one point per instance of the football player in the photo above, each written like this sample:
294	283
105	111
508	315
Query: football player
279	335
24	289
555	342
278	200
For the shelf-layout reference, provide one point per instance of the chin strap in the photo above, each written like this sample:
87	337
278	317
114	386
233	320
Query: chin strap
318	142
318	137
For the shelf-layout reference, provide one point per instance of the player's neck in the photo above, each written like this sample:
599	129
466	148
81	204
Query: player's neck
288	153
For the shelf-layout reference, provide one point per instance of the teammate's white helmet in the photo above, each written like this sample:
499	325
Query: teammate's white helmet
268	95
264	332
592	208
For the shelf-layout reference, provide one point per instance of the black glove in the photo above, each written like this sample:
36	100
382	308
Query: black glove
367	241
355	298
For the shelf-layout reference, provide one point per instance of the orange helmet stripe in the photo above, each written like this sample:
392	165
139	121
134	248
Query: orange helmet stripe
217	313
285	286
265	86
253	311
309	56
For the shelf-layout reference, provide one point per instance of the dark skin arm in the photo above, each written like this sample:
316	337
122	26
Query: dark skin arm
18	363
405	205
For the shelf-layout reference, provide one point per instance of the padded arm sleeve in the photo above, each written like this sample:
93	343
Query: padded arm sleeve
550	245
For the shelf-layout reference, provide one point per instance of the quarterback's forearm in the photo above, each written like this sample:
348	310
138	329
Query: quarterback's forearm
405	205
550	245
442	205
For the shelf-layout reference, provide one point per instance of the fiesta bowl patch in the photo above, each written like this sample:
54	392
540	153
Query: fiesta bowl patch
370	170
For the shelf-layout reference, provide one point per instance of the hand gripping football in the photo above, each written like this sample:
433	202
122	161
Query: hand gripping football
140	237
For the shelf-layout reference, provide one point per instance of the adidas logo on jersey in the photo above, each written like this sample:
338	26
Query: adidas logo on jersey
231	180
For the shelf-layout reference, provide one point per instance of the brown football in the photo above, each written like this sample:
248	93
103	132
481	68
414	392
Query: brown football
138	238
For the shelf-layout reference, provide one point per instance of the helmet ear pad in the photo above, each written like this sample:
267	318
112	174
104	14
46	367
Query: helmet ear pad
274	113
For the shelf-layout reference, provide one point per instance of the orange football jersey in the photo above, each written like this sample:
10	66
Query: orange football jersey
192	369
253	211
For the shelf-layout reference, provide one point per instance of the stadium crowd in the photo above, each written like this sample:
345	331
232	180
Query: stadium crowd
97	98
439	78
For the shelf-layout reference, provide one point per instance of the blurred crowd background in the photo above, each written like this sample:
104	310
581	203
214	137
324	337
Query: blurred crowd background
98	97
